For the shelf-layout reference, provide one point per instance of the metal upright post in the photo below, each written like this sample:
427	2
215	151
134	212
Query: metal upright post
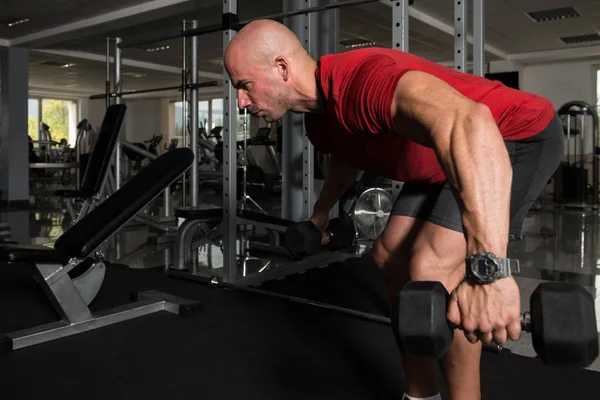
460	35
229	161
294	201
478	37
117	88
312	46
184	125
107	87
194	116
323	28
400	18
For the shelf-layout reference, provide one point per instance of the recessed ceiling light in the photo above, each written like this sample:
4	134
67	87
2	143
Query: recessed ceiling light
356	42
18	22
134	74
160	48
67	65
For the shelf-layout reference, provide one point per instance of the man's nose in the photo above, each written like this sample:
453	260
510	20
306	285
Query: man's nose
243	100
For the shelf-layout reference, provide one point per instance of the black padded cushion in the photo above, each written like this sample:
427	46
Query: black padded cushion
103	221
264	218
75	194
31	253
101	156
203	211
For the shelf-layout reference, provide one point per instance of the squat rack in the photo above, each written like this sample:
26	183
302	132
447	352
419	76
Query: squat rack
317	34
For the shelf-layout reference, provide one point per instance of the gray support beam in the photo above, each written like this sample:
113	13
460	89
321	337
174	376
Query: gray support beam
107	83
184	109
293	166
193	52
460	35
117	90
400	25
14	146
229	162
478	37
400	41
314	43
323	38
331	26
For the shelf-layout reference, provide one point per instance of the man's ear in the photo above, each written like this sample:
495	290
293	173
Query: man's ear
283	67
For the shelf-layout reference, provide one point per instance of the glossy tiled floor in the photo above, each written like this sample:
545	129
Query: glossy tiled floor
558	245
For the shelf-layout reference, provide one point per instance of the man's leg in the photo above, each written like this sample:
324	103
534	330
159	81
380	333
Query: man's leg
412	249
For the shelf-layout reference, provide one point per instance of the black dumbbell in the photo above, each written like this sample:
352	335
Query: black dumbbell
562	322
304	238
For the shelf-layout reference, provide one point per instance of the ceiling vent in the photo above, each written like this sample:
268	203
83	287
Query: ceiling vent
554	14
591	37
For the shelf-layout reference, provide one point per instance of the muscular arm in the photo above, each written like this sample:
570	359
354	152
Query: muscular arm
470	150
339	178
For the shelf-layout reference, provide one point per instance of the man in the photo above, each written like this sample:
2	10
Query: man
473	154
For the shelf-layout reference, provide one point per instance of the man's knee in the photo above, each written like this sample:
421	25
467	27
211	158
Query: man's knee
381	255
426	265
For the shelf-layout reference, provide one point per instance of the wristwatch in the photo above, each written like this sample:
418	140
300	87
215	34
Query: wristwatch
486	268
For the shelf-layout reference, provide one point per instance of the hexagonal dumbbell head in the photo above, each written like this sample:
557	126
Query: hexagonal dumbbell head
563	324
341	232
302	239
419	320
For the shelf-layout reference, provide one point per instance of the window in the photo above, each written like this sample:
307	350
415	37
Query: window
33	120
203	116
203	113
210	115
59	115
217	119
178	115
217	113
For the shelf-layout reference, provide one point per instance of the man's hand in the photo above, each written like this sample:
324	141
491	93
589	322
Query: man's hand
487	312
321	221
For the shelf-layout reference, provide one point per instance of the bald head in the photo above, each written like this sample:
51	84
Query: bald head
261	41
270	69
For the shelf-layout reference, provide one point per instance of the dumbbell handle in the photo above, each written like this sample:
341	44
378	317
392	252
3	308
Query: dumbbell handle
526	322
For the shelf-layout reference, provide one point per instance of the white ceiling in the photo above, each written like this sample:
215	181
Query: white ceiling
81	26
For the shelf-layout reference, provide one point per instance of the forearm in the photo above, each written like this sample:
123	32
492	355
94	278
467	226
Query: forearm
477	166
339	178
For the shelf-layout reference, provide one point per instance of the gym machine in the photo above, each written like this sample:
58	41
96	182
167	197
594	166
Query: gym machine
572	186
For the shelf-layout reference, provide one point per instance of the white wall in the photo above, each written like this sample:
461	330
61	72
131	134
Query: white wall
143	120
93	111
564	82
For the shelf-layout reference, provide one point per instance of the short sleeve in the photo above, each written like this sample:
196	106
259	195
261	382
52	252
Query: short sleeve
366	98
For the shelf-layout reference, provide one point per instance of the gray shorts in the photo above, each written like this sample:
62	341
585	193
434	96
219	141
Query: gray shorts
534	160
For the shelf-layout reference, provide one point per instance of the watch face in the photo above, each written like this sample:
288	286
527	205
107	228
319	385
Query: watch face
485	268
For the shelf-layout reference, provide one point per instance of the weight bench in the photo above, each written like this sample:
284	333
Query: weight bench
94	179
71	296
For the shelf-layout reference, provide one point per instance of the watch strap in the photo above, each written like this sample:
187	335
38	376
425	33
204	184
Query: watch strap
508	267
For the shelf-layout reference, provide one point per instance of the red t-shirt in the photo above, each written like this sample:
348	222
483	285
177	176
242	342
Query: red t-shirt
357	88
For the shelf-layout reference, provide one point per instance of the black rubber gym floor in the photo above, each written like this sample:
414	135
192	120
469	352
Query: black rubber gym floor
240	346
